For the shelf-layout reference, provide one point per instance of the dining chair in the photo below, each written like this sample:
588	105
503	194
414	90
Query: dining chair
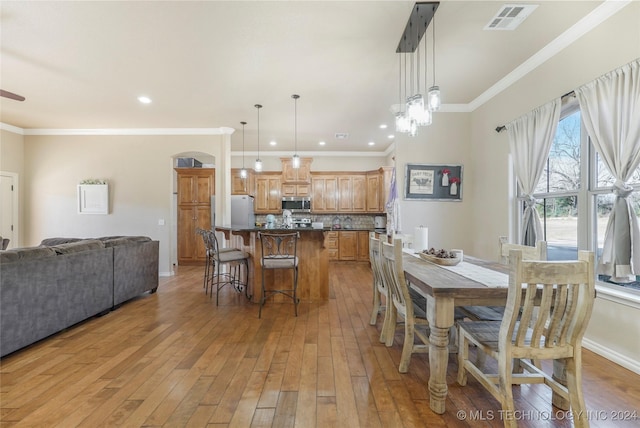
379	286
400	303
225	267
279	251
539	252
564	291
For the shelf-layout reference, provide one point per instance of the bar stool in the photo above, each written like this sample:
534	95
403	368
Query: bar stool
279	251
233	259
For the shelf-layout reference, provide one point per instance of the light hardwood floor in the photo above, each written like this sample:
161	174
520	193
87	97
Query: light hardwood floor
174	359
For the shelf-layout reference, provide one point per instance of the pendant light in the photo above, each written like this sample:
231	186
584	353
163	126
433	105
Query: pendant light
403	123
243	171
415	103
433	97
258	164
296	158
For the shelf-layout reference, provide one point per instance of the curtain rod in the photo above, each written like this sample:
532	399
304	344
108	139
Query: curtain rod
568	94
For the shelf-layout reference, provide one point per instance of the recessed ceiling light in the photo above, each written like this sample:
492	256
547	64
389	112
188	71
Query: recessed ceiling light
144	100
371	143
391	136
383	126
322	143
272	143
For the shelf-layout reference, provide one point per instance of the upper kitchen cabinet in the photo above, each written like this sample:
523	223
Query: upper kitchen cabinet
299	175
378	187
242	186
324	193
268	197
352	193
195	185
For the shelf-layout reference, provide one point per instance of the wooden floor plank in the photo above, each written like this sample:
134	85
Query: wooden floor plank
175	359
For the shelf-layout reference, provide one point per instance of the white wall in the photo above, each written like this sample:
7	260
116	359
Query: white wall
12	161
614	326
141	182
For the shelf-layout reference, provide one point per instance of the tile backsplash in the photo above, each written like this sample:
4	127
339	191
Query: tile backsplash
358	221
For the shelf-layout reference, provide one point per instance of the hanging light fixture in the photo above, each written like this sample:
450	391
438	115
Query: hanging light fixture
258	164
243	171
417	111
296	158
433	97
403	123
415	103
425	116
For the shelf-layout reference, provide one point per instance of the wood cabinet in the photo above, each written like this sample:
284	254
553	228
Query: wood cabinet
195	188
378	188
242	186
331	242
268	196
296	189
296	175
363	246
352	194
324	193
348	245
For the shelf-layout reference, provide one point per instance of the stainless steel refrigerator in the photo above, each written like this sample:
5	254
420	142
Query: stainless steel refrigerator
242	214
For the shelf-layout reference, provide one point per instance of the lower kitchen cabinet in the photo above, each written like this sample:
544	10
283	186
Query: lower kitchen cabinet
348	245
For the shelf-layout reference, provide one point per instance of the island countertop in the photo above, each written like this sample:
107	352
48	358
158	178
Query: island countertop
313	265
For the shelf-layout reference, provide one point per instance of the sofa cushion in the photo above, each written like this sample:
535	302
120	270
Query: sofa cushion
8	256
48	242
124	240
78	246
28	253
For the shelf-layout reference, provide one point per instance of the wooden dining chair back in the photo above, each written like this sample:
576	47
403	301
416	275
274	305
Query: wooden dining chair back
539	252
279	251
402	305
380	289
564	291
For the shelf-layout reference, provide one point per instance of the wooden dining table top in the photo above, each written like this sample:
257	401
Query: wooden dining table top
434	280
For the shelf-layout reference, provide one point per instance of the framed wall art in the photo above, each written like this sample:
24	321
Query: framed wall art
433	182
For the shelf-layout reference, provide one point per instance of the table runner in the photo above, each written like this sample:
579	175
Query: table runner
480	274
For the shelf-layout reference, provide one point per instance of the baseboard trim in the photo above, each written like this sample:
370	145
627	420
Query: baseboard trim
612	355
164	274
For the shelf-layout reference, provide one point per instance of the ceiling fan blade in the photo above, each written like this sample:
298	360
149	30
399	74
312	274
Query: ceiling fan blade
11	95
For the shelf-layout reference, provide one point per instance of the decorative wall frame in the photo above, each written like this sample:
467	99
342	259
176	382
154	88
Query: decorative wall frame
433	182
93	199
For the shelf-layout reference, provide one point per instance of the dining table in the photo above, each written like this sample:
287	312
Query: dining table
472	282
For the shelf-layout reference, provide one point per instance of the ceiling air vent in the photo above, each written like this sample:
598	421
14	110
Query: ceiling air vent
510	16
341	135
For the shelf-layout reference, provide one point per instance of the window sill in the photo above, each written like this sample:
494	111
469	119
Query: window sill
618	294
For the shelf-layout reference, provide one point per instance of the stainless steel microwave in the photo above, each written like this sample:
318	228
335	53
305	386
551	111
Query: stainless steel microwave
297	204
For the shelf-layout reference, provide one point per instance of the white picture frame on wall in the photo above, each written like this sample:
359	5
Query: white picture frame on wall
93	199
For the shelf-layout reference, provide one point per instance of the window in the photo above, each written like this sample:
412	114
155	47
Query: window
575	196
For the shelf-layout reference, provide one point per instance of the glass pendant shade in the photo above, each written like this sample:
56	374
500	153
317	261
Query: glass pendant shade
424	118
433	98
415	106
296	161
258	165
243	173
413	128
403	123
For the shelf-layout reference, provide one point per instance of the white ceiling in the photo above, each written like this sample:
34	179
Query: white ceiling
81	65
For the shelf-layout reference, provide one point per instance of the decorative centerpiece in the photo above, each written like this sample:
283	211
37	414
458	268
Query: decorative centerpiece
440	257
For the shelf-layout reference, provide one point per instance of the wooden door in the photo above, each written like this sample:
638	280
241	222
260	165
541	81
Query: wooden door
195	188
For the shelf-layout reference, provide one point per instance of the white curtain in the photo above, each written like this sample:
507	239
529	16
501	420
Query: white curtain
610	108
530	139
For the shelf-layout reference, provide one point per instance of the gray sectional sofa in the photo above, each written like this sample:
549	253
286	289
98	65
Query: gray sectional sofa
48	288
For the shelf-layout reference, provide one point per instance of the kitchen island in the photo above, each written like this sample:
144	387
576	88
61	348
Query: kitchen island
313	262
